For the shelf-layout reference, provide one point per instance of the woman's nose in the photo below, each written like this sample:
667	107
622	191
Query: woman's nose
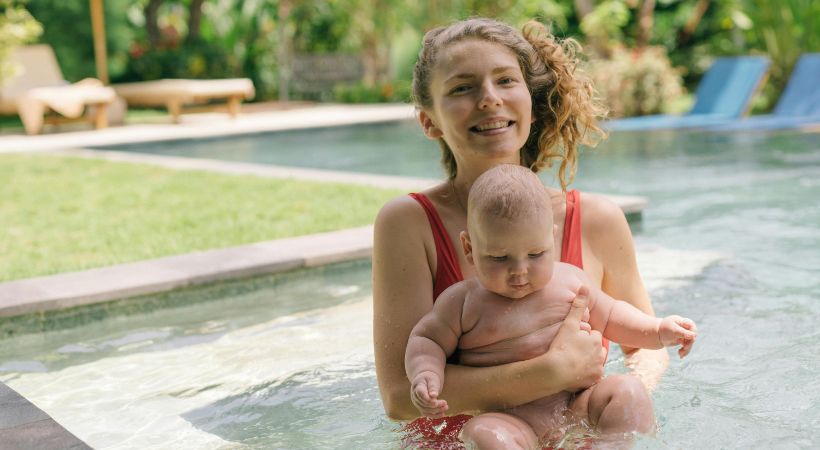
489	97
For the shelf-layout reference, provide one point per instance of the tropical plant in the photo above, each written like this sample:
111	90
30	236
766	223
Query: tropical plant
17	27
784	30
636	82
67	28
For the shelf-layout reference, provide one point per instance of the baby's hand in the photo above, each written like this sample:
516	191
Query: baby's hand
424	394
677	330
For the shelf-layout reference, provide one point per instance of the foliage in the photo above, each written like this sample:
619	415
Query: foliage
192	60
67	28
636	82
17	27
784	30
606	21
397	91
259	38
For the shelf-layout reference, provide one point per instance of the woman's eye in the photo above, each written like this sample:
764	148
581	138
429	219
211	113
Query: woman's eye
460	89
506	80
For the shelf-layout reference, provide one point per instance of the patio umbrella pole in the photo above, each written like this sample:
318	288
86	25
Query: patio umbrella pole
98	28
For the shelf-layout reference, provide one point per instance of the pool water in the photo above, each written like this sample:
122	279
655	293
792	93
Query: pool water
392	148
731	239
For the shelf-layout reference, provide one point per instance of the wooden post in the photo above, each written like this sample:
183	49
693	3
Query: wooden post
100	51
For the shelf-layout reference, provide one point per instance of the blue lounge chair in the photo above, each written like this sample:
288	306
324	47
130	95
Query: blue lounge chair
723	95
798	106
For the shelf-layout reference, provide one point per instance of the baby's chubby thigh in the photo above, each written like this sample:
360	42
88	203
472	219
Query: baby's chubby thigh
616	404
522	427
498	430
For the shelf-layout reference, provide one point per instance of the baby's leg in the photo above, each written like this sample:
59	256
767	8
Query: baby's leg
498	431
617	404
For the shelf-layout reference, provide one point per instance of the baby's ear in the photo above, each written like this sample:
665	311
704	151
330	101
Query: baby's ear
466	246
430	129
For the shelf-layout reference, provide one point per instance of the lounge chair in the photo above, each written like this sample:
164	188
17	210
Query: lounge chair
176	93
724	94
40	88
798	106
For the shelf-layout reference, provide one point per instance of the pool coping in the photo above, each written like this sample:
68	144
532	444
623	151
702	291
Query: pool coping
121	281
24	425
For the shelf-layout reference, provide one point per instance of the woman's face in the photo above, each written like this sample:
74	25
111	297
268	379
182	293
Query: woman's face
481	104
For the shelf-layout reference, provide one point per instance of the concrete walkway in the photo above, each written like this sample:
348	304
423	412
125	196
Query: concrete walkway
163	274
205	125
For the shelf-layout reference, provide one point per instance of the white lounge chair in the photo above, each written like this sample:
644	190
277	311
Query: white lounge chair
40	88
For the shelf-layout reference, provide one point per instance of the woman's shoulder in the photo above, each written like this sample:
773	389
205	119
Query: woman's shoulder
405	207
600	213
399	211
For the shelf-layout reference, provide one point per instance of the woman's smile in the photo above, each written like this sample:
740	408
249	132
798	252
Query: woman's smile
492	126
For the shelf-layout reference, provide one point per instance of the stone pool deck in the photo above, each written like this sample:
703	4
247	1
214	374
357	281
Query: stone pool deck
25	426
66	290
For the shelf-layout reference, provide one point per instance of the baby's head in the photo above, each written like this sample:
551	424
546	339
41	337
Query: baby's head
510	231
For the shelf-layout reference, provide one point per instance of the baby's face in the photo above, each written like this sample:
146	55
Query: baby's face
513	258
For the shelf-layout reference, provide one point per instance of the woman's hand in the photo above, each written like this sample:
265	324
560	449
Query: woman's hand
576	351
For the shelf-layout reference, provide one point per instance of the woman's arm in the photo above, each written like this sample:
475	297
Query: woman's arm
402	294
610	240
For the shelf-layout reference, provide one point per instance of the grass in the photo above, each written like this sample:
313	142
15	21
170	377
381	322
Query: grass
62	213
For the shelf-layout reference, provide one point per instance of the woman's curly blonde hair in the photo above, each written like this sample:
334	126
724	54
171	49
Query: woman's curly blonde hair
565	109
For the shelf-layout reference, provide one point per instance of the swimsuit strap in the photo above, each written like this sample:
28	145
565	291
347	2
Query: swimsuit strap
571	252
571	243
448	271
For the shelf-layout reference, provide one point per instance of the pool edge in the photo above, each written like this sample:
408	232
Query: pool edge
66	290
24	425
121	281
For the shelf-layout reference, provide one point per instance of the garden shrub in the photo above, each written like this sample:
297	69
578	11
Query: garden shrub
395	91
196	60
636	82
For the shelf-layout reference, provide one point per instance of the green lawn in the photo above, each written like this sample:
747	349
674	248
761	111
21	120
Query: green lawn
62	214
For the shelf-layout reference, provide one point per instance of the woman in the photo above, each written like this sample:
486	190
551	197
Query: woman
490	96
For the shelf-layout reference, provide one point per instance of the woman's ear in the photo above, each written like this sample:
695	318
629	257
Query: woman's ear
466	246
430	129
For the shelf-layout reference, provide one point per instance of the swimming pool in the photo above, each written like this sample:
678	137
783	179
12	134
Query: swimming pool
731	239
392	148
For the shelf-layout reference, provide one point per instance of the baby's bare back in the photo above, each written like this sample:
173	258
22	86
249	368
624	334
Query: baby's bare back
500	330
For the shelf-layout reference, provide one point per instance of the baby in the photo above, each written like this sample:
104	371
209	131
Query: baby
513	308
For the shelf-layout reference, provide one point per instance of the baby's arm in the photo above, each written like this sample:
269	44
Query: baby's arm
625	324
431	341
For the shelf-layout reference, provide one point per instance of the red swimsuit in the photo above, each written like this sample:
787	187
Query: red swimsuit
443	433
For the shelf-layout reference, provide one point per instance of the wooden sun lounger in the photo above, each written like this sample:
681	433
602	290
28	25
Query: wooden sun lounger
175	93
39	89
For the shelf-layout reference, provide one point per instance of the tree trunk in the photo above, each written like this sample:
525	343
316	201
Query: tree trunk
194	20
692	24
582	8
151	22
646	20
